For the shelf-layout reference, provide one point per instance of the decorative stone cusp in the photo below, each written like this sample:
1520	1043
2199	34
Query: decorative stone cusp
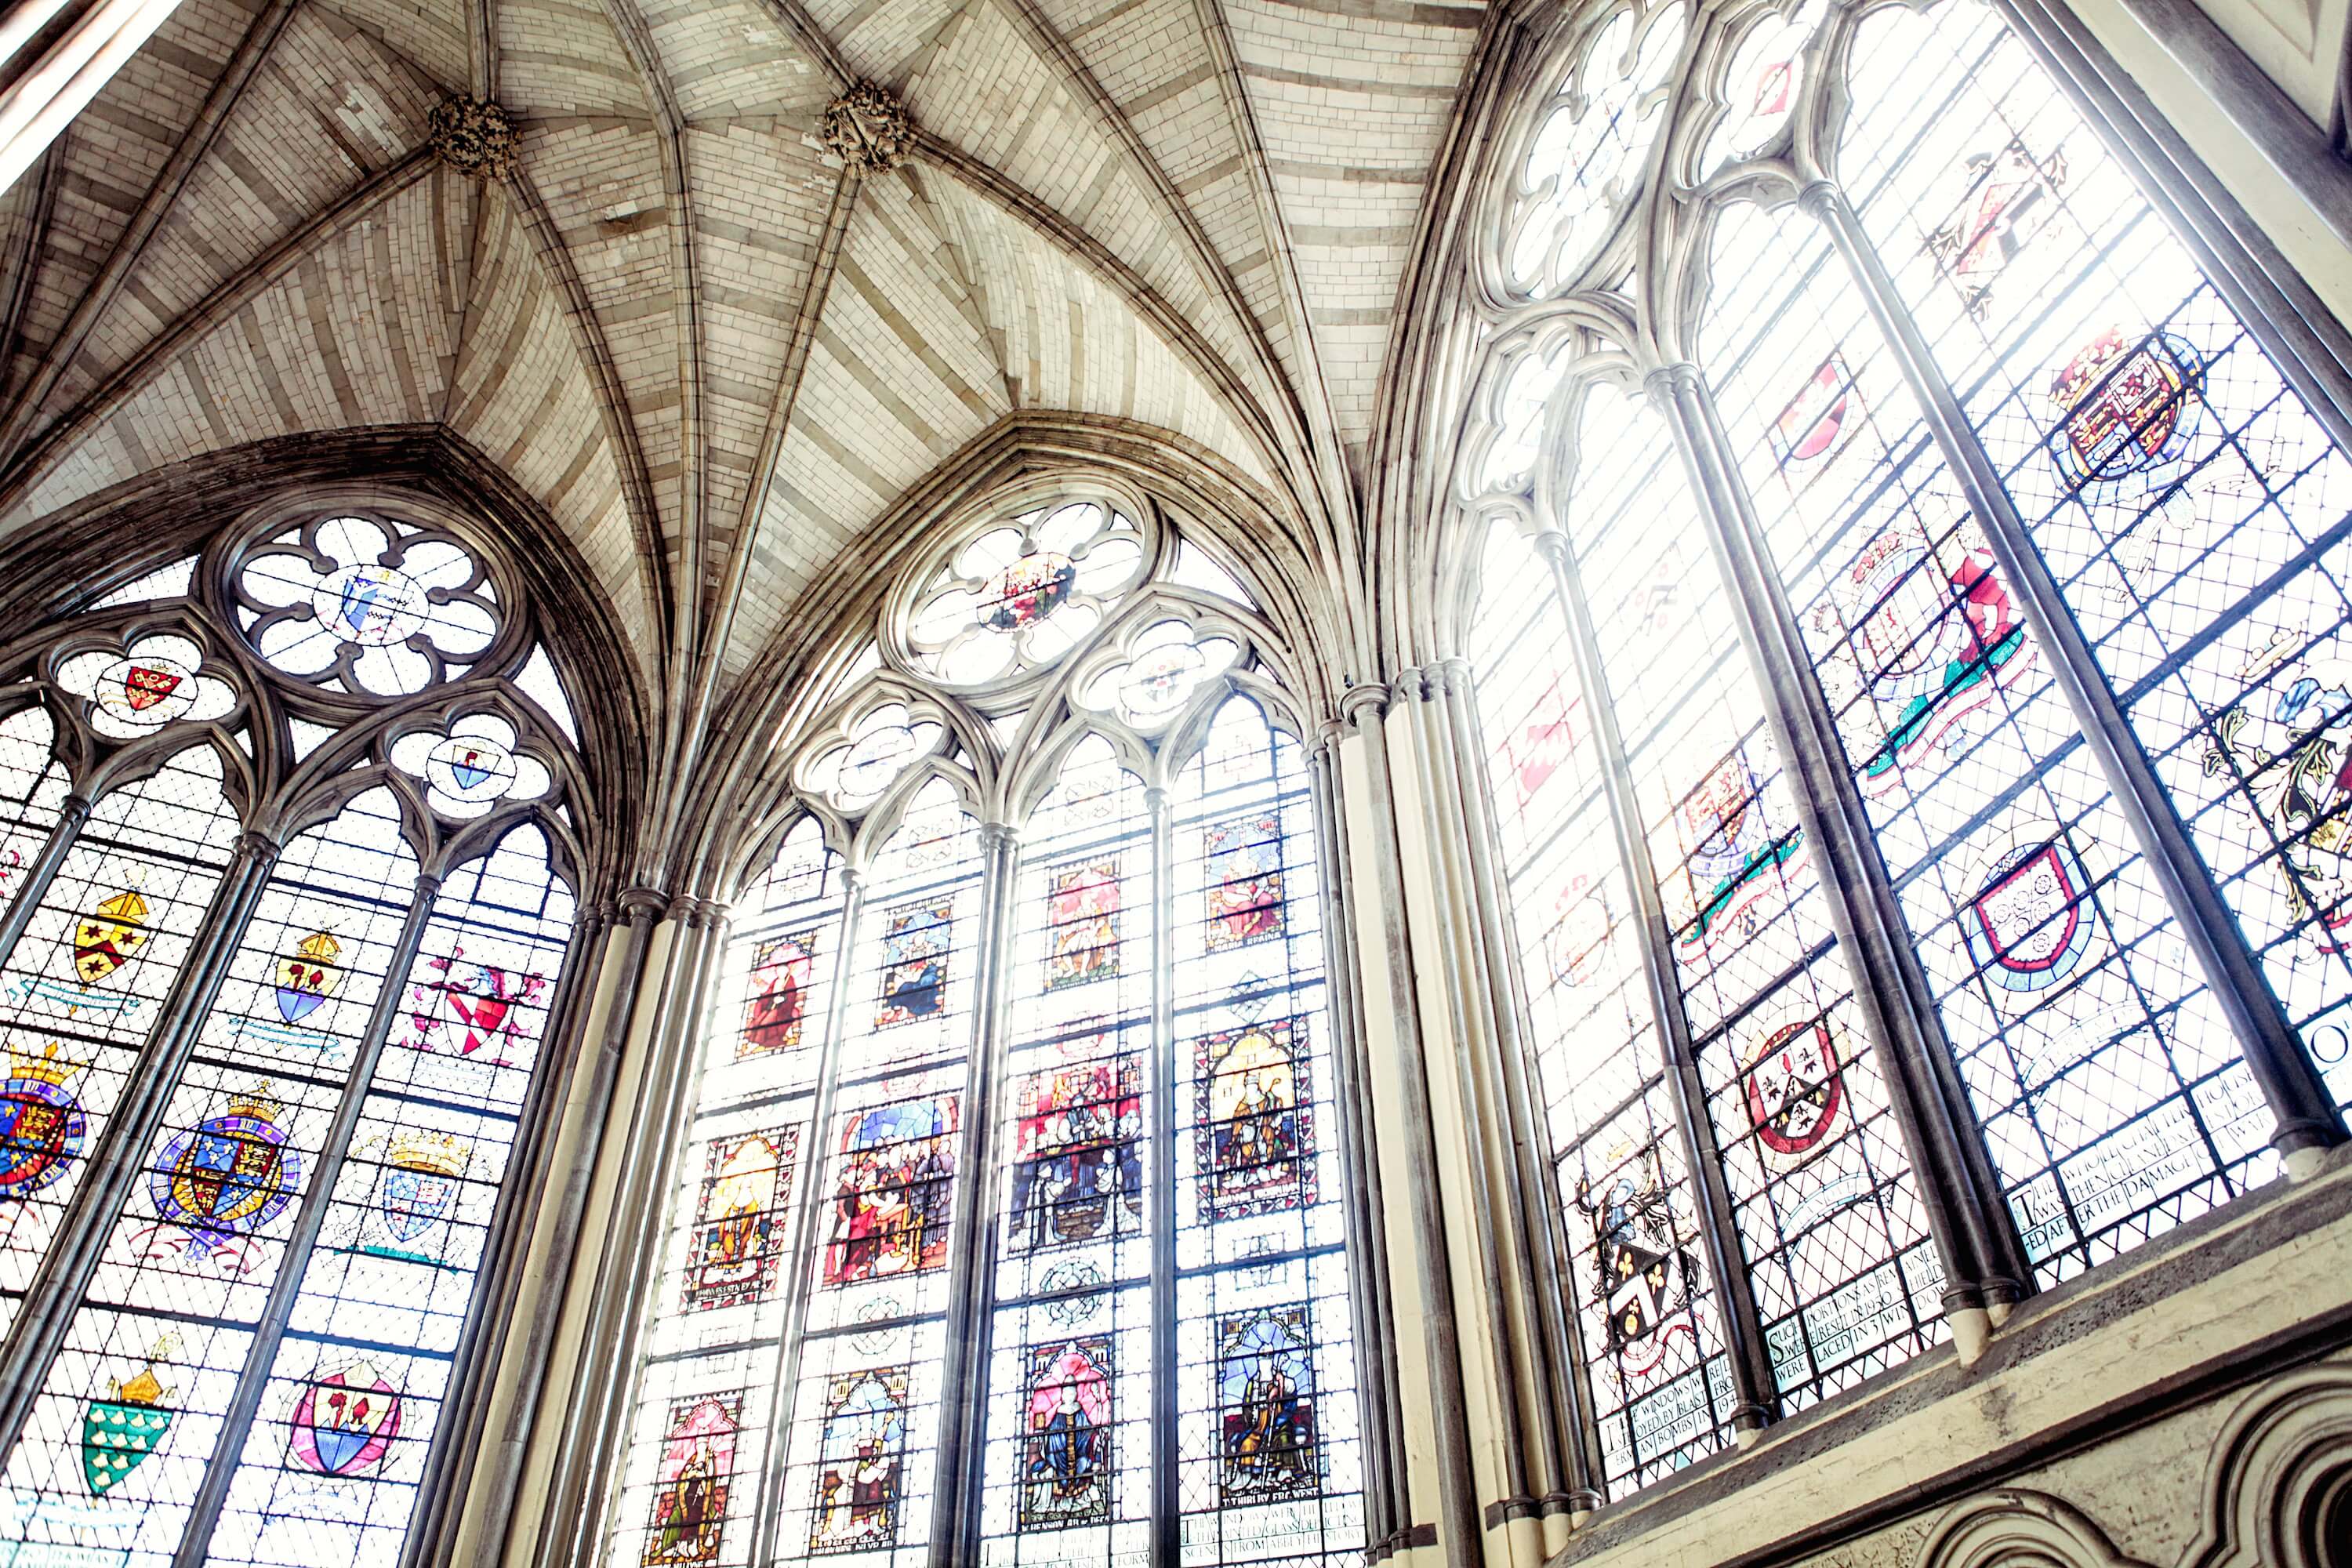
475	138
867	129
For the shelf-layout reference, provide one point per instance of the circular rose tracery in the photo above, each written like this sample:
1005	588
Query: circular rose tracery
373	607
1023	592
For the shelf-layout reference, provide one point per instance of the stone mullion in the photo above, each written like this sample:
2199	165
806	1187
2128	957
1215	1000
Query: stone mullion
121	1158
34	885
972	1281
1167	1506
1984	1263
800	1256
1755	1397
1387	1512
594	1419
334	1151
1572	1482
2306	1120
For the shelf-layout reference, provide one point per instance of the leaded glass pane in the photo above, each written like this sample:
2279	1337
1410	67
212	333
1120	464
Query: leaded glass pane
1269	1448
355	1391
887	1156
1647	1320
1068	1462
1839	1261
2190	506
84	990
156	1346
32	790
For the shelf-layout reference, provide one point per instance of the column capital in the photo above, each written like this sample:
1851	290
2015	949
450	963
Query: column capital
1369	694
642	902
1818	198
255	845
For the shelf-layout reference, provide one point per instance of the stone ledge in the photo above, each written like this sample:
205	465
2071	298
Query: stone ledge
2221	1302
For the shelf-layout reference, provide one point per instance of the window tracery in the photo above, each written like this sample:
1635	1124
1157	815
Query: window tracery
286	892
1949	634
1024	1084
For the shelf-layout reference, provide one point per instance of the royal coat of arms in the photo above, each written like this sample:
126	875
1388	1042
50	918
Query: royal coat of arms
2125	405
220	1181
41	1124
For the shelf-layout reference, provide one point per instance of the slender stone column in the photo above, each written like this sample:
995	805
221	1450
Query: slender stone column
496	1497
2305	1122
1570	1469
1985	1268
459	1453
1387	1510
972	1229
1434	1402
1167	1506
1755	1394
121	1158
1462	1107
617	1310
37	877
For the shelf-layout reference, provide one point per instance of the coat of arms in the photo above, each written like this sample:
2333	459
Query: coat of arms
120	1430
41	1124
1646	1275
344	1423
2031	921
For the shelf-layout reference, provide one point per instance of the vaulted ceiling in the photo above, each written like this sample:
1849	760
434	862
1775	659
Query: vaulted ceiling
1192	213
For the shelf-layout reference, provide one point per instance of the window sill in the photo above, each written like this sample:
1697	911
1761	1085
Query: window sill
2211	1307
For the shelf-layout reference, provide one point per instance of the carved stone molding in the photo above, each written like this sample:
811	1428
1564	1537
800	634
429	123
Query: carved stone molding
867	129
473	138
2013	1528
2280	1489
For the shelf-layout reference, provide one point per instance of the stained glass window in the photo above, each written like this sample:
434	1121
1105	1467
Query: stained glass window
241	1341
2188	508
1054	1171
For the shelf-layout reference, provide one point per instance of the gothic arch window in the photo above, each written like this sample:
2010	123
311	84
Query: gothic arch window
287	892
1012	1203
1907	651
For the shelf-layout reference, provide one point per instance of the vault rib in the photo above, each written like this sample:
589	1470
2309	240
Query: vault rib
252	53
